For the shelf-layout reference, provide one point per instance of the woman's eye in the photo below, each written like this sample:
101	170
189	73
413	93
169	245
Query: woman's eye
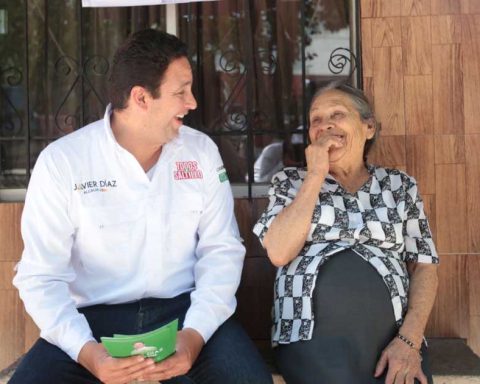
337	115
315	121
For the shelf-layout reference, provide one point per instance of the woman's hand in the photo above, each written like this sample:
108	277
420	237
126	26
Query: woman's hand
317	154
404	364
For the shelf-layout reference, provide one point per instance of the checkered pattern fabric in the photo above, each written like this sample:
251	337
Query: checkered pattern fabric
383	222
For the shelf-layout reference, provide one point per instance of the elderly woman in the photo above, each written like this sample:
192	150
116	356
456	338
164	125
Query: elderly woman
357	276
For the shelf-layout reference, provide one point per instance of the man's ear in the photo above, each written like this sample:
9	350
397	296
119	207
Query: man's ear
139	96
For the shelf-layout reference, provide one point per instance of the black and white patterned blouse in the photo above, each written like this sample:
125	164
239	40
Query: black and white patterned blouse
383	222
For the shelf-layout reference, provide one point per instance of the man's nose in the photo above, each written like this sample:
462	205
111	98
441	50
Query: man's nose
191	102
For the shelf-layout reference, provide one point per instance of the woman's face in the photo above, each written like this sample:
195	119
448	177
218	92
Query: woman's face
333	113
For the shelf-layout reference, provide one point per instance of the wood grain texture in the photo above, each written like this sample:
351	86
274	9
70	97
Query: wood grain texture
470	6
446	29
451	208
417	45
416	7
387	32
255	297
388	88
471	70
450	314
472	150
11	327
247	213
418	105
420	154
474	300
6	275
429	207
367	51
447	89
10	237
388	151
449	149
32	332
443	7
368	89
381	8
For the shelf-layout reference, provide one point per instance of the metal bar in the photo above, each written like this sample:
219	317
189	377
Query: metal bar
355	35
171	19
304	72
27	93
81	68
250	73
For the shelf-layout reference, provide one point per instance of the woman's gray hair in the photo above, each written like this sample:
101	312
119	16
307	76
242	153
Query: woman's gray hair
361	104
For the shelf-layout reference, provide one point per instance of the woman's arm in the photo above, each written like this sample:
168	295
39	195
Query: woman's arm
289	230
404	361
423	289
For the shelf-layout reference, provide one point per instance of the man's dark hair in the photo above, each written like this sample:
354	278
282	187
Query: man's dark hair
142	61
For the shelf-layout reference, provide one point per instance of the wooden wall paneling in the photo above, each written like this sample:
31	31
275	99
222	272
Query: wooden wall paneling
474	300
418	105
451	210
429	207
420	152
11	327
6	274
470	6
449	149
32	332
447	89
11	244
367	51
446	29
443	7
368	89
417	45
416	7
388	151
471	70
255	297
388	88
450	314
472	149
387	32
247	213
381	8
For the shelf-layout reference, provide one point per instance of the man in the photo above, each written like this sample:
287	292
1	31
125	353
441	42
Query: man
128	224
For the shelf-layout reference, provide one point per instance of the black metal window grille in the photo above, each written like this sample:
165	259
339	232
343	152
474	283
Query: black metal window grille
251	64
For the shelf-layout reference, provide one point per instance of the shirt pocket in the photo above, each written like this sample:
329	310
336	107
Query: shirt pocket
111	237
183	219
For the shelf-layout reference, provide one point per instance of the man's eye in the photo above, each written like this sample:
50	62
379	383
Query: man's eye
315	121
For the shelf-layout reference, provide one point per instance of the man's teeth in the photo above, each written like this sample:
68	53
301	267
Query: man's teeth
180	116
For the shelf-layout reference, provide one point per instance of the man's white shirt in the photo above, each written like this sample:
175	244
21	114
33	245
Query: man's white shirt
98	230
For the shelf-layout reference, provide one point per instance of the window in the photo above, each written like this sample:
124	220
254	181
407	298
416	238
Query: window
256	64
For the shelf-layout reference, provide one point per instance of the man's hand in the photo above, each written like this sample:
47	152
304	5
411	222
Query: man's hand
109	370
404	364
189	345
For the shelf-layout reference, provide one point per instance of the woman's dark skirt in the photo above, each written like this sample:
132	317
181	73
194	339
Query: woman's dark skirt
354	322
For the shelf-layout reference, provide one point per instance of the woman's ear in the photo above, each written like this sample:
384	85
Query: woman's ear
371	126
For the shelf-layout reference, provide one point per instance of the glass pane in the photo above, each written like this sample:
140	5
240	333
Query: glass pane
69	54
248	66
13	105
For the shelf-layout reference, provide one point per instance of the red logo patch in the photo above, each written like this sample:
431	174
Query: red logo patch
187	170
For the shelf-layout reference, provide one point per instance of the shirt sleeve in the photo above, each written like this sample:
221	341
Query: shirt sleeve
45	271
419	246
219	253
280	195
